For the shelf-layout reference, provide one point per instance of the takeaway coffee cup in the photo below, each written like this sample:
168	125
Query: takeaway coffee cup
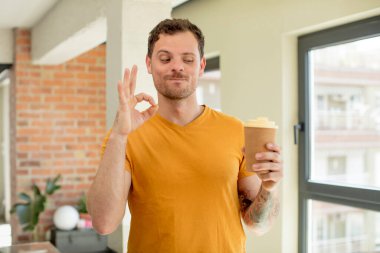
258	132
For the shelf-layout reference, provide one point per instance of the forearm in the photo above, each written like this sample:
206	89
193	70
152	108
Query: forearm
109	192
260	213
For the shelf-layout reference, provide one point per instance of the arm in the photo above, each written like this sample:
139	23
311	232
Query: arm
108	194
259	207
258	194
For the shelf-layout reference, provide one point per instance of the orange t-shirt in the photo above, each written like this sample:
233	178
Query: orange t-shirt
184	193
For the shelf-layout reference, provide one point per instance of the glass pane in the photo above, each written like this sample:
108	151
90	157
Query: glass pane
345	113
208	89
337	228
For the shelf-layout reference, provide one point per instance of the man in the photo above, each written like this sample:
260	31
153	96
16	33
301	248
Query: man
180	165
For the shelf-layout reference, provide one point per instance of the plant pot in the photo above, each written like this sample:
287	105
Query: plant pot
85	216
85	221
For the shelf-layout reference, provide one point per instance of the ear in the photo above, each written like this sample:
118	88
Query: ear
203	66
148	63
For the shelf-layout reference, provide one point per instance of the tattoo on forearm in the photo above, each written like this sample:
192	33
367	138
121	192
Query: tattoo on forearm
244	201
262	210
261	207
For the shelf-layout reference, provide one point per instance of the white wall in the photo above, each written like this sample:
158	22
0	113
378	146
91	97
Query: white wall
4	149
69	29
2	188
257	41
6	46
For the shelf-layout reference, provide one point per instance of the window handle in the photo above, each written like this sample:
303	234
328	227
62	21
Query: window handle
296	129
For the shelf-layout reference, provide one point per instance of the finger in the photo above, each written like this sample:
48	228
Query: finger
265	167
268	156
152	109
122	98
126	82
149	112
145	97
132	83
274	176
273	147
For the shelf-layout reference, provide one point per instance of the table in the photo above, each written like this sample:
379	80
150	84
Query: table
34	247
79	241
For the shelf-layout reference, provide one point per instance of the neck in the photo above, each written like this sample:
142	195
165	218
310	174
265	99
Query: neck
180	112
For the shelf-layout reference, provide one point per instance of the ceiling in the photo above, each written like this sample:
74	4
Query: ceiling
23	13
26	13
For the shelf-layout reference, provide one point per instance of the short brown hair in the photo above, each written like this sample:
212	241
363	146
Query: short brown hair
173	26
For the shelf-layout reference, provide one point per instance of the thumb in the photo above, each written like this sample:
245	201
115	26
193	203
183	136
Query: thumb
148	113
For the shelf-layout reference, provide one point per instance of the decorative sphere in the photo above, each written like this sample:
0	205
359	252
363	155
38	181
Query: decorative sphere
66	217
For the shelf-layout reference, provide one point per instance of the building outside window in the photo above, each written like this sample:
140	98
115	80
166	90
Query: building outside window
340	143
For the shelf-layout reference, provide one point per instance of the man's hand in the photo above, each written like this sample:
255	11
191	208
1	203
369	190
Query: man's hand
259	201
269	168
127	117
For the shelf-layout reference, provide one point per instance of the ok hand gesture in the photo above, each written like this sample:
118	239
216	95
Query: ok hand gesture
127	117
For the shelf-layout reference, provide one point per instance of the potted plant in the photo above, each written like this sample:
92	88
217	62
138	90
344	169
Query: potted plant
85	218
28	212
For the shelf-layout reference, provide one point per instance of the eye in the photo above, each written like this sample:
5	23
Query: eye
165	59
188	60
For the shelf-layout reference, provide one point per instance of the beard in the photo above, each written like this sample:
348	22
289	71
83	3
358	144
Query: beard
175	91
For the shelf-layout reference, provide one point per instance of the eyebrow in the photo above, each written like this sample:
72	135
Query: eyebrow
167	52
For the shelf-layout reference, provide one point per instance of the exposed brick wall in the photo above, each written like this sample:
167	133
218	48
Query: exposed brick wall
59	124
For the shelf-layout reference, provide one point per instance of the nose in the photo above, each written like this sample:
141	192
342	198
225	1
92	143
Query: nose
177	65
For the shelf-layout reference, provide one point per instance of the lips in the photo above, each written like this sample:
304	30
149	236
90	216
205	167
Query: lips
177	79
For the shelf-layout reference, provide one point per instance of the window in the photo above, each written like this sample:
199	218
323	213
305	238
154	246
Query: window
336	165
340	228
208	90
339	84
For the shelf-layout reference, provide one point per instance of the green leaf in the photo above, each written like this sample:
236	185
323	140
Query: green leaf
25	197
82	204
38	208
39	203
36	190
23	212
29	227
28	213
57	178
51	185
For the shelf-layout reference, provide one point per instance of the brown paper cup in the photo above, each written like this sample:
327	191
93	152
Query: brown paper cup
255	140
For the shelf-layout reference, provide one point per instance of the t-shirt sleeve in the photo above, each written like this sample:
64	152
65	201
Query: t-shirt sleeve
128	165
243	171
